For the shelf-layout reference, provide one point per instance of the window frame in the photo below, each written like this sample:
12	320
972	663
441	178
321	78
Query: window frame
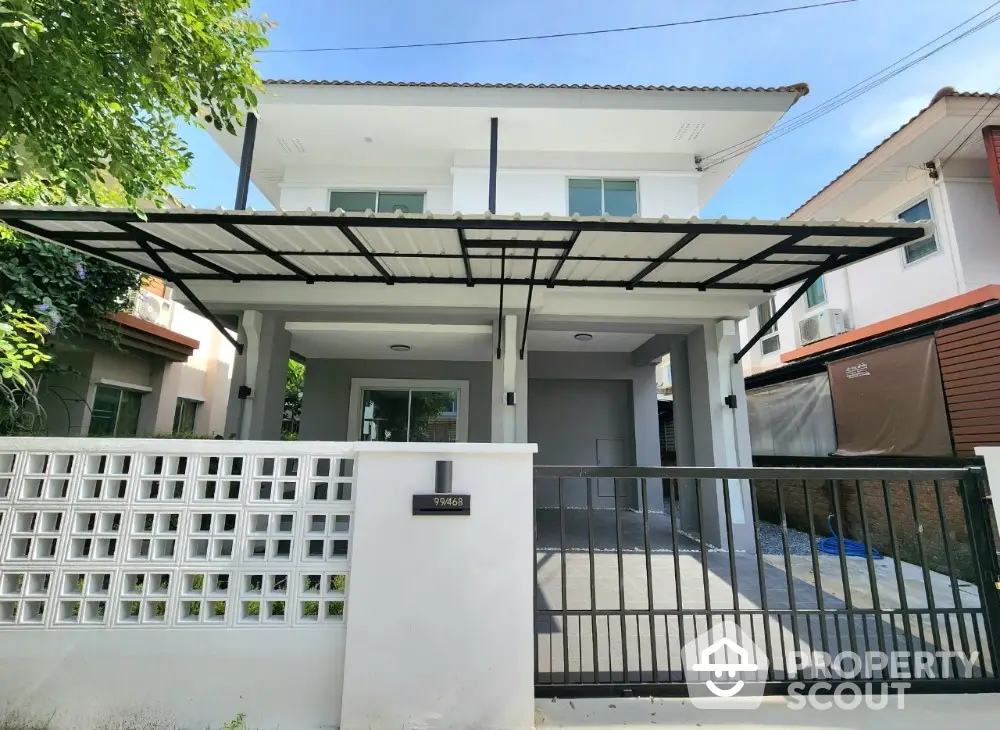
180	402
360	385
820	303
913	203
603	180
121	391
772	334
378	192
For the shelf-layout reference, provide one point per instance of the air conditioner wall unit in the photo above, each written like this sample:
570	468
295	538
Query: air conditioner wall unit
819	326
153	308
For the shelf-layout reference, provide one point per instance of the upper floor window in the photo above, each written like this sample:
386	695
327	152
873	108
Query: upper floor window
816	294
925	246
358	201
770	342
595	196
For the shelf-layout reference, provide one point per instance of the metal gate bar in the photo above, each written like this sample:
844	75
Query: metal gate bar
624	581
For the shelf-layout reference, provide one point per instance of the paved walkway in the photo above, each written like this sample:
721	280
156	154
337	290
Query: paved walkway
720	584
920	712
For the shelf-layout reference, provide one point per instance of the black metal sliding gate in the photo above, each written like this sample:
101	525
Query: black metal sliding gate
634	562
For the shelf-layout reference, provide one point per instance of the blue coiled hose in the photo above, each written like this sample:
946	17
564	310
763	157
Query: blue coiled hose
852	548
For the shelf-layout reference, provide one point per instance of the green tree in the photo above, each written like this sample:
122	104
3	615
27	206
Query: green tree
92	91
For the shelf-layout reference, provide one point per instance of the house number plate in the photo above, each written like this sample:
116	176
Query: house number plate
441	504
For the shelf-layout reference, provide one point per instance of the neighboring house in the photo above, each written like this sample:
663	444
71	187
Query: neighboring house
487	263
940	166
924	383
164	369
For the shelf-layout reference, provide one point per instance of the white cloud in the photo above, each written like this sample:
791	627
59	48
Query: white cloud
883	110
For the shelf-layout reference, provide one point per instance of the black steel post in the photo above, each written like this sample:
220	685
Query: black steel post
246	161
494	122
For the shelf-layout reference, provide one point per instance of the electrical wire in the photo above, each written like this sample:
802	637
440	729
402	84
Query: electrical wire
973	118
550	36
852	548
843	98
831	102
853	92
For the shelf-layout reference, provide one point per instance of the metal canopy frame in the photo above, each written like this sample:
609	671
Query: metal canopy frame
794	241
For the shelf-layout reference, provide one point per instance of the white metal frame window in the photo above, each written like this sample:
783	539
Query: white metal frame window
770	342
918	250
613	196
816	294
360	385
380	201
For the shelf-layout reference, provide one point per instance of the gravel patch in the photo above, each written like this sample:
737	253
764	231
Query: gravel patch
772	543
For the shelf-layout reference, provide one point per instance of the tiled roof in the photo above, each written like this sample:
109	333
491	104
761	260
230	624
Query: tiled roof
801	88
942	94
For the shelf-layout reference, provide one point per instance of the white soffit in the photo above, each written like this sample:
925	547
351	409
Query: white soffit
242	247
374	341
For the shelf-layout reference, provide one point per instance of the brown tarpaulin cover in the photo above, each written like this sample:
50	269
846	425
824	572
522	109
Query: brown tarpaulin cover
891	401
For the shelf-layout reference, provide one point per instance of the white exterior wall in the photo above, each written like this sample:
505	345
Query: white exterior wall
530	190
204	377
967	229
157	583
975	220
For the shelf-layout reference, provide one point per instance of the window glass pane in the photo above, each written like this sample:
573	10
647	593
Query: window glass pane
584	196
406	202
384	415
434	416
352	202
104	411
184	415
764	312
919	212
620	198
128	414
816	294
918	249
769	345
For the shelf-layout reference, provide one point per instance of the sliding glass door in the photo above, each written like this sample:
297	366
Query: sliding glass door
409	414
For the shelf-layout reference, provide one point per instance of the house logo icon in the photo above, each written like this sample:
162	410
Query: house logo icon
725	668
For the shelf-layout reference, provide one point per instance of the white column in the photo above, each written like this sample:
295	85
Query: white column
721	433
510	375
440	625
263	367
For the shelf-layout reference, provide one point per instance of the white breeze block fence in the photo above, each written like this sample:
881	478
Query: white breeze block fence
165	584
184	581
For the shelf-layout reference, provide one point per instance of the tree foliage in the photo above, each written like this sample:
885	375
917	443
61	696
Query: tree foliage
294	383
21	339
92	90
66	287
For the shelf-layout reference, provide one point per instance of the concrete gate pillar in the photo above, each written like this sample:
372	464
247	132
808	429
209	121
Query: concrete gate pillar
711	433
263	368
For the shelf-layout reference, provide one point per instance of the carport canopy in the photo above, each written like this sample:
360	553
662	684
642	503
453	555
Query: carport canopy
187	245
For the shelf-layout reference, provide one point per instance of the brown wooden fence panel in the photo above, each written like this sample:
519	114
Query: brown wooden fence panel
969	354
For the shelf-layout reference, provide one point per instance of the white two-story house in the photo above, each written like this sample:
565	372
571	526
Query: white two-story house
486	263
940	166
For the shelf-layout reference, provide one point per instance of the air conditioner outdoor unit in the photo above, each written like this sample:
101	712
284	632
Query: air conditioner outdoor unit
153	308
821	325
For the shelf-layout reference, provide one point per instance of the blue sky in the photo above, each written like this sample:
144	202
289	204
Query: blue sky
829	48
